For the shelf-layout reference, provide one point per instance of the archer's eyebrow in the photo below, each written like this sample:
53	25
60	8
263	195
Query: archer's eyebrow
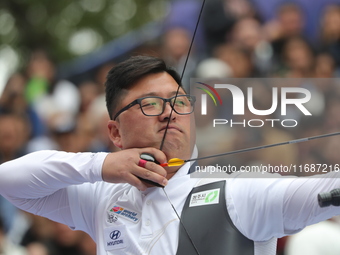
178	93
171	94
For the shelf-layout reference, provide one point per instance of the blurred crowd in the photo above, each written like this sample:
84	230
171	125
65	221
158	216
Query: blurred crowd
39	110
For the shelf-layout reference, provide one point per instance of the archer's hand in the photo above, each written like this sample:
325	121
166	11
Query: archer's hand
122	167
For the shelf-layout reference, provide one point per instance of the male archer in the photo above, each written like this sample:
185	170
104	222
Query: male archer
103	195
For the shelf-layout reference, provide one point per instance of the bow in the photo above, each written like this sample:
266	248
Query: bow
169	119
178	161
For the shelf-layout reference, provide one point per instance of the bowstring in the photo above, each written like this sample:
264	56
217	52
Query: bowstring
183	71
170	115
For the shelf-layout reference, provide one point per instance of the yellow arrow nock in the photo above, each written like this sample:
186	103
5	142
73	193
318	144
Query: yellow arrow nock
174	162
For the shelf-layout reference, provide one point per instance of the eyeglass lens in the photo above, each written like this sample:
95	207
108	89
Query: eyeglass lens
154	105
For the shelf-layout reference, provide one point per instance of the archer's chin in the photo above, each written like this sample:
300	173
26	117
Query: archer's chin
176	148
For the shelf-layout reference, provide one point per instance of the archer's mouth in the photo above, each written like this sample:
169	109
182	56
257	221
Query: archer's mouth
170	128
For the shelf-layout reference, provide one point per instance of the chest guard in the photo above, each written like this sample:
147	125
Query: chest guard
210	226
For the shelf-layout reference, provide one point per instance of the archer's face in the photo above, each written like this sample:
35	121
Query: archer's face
132	129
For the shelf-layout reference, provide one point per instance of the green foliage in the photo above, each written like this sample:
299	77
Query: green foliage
62	26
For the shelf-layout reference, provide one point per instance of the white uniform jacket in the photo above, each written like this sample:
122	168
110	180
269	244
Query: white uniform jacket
68	188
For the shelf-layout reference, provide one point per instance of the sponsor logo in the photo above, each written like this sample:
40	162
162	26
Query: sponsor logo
207	197
125	213
114	237
112	243
211	196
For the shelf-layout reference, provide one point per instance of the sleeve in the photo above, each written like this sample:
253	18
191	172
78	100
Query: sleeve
301	206
38	182
263	208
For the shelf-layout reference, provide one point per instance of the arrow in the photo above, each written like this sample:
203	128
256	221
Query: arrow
179	162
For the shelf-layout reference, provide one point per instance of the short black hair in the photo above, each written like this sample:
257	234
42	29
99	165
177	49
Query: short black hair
127	73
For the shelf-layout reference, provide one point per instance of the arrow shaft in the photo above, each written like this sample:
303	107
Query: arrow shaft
266	146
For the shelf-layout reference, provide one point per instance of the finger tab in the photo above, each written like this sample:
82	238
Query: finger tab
148	157
142	163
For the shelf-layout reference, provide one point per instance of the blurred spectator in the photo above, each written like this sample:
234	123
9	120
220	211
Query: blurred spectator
85	133
213	68
88	91
87	245
63	131
45	237
8	212
175	48
318	239
332	117
39	230
13	100
298	58
41	72
329	151
13	97
57	103
237	59
46	94
6	247
179	27
91	122
99	118
37	248
324	66
66	241
14	134
248	34
288	23
100	76
183	14
219	17
330	31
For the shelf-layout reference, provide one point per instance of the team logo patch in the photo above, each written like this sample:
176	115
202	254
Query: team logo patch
207	197
125	213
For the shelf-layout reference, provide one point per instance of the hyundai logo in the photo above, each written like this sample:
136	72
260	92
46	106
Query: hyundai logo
114	235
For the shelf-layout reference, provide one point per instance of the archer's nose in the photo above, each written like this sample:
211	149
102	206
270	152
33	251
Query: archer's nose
168	111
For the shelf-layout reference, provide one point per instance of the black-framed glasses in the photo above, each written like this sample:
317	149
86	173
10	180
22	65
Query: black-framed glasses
154	106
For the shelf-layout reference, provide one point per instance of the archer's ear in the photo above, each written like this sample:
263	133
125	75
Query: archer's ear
114	134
